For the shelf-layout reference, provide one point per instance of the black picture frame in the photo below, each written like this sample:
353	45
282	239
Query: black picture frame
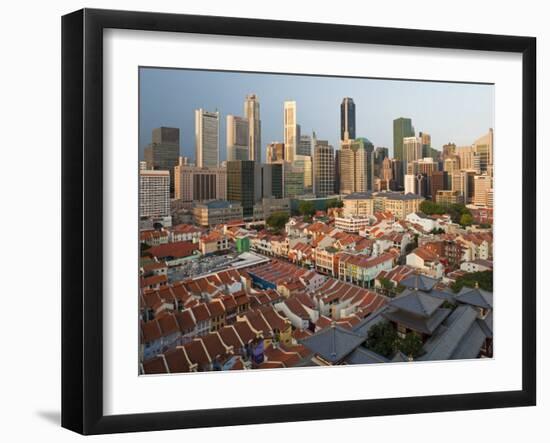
82	218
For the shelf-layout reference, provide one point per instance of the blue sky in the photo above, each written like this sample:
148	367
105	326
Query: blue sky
450	112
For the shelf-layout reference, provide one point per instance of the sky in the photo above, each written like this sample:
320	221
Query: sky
449	112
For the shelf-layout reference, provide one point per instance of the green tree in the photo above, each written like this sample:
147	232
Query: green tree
277	220
429	207
411	345
386	283
306	208
334	203
466	219
382	339
484	280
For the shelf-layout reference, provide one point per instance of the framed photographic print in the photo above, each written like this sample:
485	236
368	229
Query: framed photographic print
269	221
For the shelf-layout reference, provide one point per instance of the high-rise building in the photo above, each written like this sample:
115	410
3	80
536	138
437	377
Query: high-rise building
412	150
484	148
463	182
272	180
451	164
449	150
469	158
154	194
275	152
305	145
483	190
293	180
380	153
426	143
305	164
397	171
356	166
323	169
163	151
207	138
198	184
347	119
410	184
337	166
402	127
438	182
292	130
252	114
244	184
237	138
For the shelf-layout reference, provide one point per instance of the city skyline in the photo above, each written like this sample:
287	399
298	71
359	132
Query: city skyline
449	112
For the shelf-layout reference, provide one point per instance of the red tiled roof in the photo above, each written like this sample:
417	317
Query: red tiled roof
177	360
154	365
197	353
175	250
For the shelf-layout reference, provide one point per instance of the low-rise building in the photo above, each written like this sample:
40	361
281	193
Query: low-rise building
216	212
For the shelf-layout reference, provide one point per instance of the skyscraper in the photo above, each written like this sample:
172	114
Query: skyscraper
355	166
402	127
237	138
484	148
292	130
207	138
244	184
252	114
438	182
163	151
275	152
412	150
154	195
323	169
197	184
347	119
304	145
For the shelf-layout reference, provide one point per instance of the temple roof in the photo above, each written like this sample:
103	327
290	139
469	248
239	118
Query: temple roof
333	343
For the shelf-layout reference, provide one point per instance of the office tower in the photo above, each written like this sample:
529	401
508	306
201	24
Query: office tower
410	184
463	182
386	172
244	184
292	130
277	180
252	114
412	150
207	138
163	151
337	166
323	169
422	166
449	150
275	152
293	180
484	148
397	172
305	164
426	143
402	128
143	165
438	182
469	158
356	166
305	145
198	184
451	164
154	194
483	190
380	153
347	119
237	138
